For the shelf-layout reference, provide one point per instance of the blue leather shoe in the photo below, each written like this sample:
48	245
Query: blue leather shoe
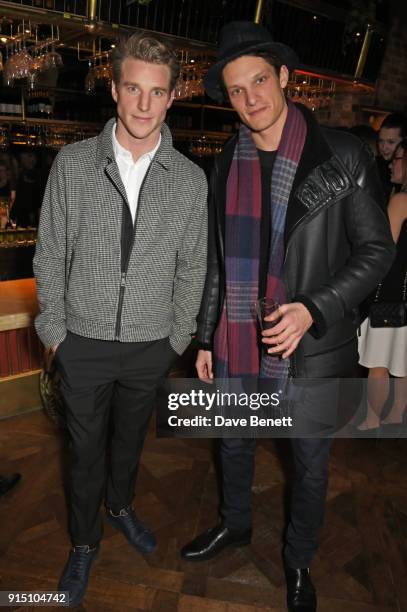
75	576
138	535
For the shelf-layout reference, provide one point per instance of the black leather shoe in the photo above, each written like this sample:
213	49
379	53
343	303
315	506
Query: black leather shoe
208	544
8	482
75	576
301	596
137	534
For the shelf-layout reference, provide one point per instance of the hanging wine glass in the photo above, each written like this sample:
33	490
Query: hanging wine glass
25	62
8	66
90	80
54	58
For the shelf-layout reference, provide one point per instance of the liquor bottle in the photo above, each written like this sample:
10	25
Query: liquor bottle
3	107
41	102
32	105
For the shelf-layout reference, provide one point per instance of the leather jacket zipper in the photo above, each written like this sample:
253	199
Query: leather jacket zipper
292	369
126	264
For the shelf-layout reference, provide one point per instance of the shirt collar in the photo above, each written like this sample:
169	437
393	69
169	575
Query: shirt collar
124	154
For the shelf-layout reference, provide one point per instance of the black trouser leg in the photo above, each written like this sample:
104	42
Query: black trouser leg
237	463
311	459
143	368
87	420
88	370
92	371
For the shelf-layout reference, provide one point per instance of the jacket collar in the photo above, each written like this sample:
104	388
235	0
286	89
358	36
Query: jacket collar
105	153
321	177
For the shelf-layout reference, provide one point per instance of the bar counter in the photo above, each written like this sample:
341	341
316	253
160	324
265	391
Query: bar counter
20	348
17	247
18	304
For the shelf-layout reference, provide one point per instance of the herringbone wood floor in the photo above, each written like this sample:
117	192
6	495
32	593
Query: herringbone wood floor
361	565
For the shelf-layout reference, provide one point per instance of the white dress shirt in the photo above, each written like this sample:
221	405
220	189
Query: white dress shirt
132	173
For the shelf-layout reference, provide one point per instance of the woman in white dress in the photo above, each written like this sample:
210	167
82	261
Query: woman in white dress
383	349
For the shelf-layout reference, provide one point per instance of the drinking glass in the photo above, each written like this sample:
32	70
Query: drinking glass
264	307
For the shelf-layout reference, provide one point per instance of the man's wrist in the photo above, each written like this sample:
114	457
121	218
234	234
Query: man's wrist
318	326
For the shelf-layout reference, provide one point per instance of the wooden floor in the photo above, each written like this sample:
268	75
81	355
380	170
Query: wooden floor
361	565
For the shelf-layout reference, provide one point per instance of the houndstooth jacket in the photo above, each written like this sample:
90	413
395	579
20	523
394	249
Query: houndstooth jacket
77	263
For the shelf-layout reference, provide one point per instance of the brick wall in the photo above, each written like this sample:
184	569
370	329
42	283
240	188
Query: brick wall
391	89
345	110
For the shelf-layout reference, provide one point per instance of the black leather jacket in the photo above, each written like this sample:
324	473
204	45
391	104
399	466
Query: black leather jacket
338	246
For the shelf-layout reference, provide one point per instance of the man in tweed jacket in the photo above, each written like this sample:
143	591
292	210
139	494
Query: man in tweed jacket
120	266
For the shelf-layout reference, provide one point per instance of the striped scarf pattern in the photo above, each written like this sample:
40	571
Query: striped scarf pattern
236	346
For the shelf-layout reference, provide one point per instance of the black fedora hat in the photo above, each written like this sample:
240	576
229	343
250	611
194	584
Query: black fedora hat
239	38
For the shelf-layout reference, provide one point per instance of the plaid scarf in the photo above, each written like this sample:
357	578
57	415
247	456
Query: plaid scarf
236	346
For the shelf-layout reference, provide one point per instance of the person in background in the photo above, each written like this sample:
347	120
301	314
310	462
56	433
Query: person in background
366	134
27	204
7	196
7	184
294	215
120	267
9	161
384	349
392	130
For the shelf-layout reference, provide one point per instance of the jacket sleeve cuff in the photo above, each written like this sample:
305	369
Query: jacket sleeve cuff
319	328
180	341
204	346
50	334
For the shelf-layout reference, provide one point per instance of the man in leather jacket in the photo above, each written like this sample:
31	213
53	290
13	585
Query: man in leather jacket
294	212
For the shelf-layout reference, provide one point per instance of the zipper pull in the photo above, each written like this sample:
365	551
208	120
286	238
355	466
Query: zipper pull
123	280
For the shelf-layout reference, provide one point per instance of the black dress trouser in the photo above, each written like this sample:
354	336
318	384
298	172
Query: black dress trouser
311	462
103	381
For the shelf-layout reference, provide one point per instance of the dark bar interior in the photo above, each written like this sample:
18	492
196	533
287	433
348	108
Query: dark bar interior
55	90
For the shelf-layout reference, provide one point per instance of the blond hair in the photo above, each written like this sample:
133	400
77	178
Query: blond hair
148	49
